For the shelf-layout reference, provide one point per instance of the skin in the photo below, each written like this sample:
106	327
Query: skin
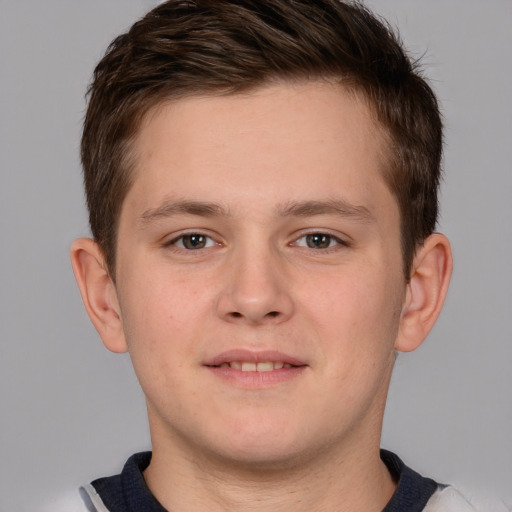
298	251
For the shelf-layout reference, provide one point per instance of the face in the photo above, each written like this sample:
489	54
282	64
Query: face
259	273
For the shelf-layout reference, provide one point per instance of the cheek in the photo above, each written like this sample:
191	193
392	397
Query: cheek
162	321
356	311
162	316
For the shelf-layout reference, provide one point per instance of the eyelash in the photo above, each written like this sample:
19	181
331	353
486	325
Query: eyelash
210	242
338	242
179	243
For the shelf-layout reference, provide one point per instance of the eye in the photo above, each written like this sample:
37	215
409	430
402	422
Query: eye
318	241
193	241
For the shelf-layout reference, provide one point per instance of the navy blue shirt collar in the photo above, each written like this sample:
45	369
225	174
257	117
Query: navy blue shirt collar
128	491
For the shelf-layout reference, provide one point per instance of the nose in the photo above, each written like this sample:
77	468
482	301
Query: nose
256	290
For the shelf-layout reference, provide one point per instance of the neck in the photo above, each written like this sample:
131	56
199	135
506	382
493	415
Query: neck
341	480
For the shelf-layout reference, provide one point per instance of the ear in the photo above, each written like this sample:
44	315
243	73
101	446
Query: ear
425	292
98	293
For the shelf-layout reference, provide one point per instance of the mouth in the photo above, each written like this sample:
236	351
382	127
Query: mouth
250	368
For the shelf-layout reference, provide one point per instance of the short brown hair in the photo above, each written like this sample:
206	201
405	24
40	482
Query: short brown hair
183	48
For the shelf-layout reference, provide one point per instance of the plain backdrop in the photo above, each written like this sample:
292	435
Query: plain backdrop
71	411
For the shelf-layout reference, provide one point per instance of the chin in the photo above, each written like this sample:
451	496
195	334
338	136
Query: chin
263	459
266	446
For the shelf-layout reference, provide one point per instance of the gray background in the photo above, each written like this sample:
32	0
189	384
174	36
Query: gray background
71	411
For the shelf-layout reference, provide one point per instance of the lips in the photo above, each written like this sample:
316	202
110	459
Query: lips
255	370
253	361
264	366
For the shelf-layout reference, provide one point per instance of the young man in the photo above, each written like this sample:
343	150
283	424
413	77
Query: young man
262	185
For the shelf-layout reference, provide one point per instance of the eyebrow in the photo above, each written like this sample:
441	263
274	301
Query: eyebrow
338	207
330	207
170	208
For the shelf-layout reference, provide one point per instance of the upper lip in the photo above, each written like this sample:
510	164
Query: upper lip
253	356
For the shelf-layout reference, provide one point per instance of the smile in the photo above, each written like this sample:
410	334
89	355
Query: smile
248	366
249	369
254	361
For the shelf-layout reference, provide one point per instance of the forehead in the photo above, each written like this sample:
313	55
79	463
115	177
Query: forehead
259	143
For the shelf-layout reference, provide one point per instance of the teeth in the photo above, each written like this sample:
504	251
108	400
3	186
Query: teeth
265	366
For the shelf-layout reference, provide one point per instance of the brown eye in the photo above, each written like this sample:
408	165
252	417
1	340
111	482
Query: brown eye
193	241
319	241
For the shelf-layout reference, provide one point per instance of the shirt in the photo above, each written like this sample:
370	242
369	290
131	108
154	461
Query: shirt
128	491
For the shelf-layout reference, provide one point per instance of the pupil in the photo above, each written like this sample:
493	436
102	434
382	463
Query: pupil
318	241
194	241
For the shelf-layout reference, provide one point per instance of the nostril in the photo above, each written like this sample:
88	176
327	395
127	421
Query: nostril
270	314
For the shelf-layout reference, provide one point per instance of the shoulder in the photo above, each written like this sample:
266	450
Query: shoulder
449	499
417	493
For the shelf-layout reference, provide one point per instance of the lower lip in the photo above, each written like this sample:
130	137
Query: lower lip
257	380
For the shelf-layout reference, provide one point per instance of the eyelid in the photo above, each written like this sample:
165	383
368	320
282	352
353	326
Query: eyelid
175	237
337	237
340	239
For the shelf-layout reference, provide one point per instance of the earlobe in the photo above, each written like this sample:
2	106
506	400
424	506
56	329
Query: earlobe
426	292
98	293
